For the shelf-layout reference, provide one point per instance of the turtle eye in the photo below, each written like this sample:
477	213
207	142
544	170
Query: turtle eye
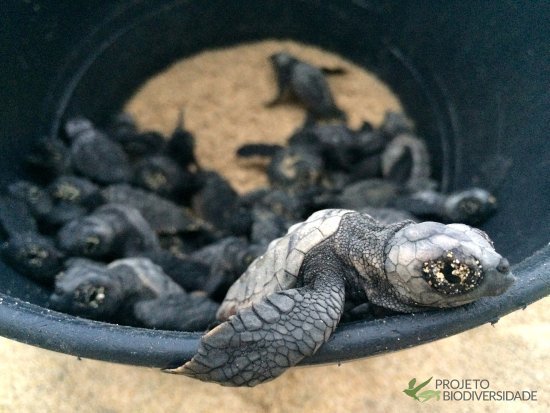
452	274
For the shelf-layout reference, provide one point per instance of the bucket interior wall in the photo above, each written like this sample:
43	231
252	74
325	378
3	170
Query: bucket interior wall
470	74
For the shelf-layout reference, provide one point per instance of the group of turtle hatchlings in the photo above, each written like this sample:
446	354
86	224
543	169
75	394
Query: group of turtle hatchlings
126	226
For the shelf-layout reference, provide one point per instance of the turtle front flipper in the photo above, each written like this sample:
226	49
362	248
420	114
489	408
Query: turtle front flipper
262	340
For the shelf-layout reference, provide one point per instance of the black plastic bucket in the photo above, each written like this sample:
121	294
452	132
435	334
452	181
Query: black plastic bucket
473	75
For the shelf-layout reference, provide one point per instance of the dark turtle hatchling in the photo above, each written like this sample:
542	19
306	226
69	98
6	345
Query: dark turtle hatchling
111	231
290	206
23	248
395	123
471	206
406	161
273	212
188	242
164	216
306	83
227	259
122	124
218	203
129	290
124	131
15	217
75	190
73	197
48	158
96	156
258	149
190	274
181	145
37	199
295	168
376	193
290	299
267	225
33	255
180	312
163	176
340	147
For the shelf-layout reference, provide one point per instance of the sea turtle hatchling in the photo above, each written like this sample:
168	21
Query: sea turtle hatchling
129	290
290	299
306	83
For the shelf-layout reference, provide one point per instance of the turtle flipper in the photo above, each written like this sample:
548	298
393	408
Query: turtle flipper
262	340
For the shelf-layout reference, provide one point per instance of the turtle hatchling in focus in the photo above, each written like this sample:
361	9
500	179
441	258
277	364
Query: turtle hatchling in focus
290	299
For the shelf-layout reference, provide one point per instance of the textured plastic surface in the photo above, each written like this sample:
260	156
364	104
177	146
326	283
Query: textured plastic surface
471	74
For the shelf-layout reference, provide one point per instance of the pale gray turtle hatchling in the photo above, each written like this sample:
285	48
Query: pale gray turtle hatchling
290	299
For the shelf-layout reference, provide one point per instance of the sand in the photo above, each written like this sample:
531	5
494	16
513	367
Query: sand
223	93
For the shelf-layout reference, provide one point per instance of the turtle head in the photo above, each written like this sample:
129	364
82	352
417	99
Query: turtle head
471	206
88	237
434	265
282	60
87	290
33	255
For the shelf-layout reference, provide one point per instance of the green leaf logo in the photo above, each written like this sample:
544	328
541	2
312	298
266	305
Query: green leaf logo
426	395
429	394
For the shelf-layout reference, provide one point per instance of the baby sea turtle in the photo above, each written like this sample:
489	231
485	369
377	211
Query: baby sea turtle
406	161
227	259
163	176
94	155
340	146
295	168
289	300
33	255
258	149
131	290
48	158
15	217
290	206
306	83
23	248
37	199
111	231
470	206
218	203
267	225
164	216
123	130
72	197
274	211
181	145
188	273
374	192
395	123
